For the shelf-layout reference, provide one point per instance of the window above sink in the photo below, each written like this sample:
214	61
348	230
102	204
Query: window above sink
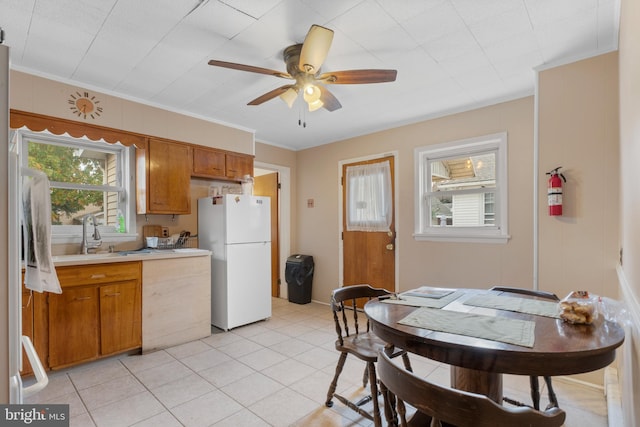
86	177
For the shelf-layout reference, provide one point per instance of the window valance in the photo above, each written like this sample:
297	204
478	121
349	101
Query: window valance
57	126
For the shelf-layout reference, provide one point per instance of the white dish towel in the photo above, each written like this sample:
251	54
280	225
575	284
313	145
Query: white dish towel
40	272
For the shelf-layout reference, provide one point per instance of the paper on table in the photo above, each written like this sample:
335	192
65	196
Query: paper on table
425	292
520	305
405	299
511	331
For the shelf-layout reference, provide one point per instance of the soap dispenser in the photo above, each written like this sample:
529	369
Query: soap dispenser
120	225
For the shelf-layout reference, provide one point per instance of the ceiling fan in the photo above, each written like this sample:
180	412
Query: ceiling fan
303	65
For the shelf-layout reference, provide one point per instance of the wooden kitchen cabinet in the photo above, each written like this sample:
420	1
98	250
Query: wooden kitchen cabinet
163	178
27	326
120	317
208	163
73	326
97	314
34	326
217	164
238	165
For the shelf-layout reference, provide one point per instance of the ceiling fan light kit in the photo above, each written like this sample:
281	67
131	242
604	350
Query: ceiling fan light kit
303	63
290	96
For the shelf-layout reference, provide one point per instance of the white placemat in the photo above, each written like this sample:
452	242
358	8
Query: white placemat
520	305
511	331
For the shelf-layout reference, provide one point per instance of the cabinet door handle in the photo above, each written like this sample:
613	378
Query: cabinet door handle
115	294
98	276
81	298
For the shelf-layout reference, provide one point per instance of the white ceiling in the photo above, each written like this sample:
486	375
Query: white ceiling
451	55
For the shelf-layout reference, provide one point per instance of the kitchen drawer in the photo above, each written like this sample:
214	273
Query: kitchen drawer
78	275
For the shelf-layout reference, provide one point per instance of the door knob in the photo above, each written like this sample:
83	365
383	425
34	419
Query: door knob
389	246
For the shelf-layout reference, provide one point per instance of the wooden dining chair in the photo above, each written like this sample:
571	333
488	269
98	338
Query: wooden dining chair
355	337
448	406
535	385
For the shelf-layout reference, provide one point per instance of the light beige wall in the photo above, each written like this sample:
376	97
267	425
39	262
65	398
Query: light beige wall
287	158
629	272
449	264
43	96
578	130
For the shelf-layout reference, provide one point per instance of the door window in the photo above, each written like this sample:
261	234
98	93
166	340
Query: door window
369	197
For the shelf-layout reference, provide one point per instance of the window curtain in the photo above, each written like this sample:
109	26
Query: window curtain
369	197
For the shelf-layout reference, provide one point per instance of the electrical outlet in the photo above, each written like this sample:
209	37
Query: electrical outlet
165	231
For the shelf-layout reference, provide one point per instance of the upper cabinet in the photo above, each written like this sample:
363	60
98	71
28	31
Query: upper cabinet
164	169
163	174
216	164
208	163
238	166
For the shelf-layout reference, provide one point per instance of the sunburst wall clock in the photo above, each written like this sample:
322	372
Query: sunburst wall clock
85	105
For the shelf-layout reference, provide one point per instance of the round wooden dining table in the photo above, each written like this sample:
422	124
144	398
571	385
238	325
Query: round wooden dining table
477	364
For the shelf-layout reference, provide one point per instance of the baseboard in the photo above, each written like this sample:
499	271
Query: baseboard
629	354
614	400
611	391
573	380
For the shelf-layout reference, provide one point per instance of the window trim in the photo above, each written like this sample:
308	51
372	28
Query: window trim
493	234
61	234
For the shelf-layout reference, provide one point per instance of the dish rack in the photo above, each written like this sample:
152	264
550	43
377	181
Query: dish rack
177	241
184	242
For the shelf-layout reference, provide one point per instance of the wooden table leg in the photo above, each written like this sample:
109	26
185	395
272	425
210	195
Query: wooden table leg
480	382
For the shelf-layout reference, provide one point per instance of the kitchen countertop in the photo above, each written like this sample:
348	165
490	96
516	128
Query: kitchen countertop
124	256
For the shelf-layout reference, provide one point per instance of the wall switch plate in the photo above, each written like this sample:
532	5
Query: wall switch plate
165	231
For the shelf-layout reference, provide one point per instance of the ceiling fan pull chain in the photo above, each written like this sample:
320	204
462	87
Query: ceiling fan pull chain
302	117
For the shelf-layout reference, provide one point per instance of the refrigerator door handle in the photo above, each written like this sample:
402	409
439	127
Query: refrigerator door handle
41	376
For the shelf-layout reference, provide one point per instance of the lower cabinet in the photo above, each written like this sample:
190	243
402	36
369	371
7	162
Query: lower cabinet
98	313
74	334
27	327
120	317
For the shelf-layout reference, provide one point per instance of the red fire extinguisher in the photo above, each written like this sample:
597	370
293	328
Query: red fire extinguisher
554	191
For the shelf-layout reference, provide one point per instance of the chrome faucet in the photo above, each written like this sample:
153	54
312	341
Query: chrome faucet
87	245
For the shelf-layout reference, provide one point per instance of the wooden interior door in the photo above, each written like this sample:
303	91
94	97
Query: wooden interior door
267	185
369	257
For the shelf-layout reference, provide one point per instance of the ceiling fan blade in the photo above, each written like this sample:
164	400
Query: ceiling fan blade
358	76
330	102
270	95
315	49
249	68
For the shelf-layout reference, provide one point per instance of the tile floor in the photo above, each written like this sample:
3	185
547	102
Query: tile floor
271	373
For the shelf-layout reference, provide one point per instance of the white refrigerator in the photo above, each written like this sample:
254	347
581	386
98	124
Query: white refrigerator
237	230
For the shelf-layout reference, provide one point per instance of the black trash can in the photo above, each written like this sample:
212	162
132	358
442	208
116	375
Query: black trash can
299	275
